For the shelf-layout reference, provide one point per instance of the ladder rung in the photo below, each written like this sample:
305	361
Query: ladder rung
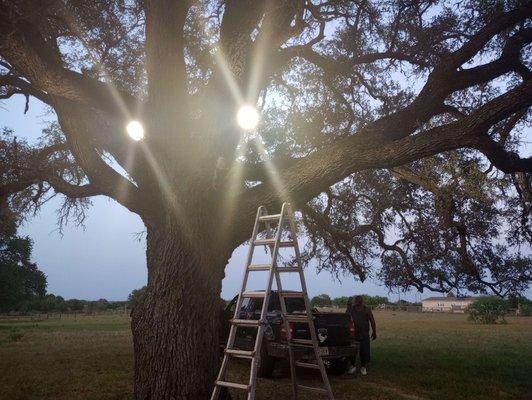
273	217
259	242
289	243
292	294
302	342
312	389
259	267
254	294
307	365
245	322
240	353
234	385
288	269
297	318
271	242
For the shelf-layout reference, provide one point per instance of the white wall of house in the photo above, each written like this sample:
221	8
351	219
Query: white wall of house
446	305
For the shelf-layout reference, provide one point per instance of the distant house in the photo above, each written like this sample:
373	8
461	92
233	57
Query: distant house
448	304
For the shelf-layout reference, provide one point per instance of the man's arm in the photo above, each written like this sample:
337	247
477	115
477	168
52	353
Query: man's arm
373	325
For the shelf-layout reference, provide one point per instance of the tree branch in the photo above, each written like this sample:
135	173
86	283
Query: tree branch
165	59
444	79
445	204
77	126
341	66
506	161
24	87
498	24
39	170
508	61
72	191
26	50
315	173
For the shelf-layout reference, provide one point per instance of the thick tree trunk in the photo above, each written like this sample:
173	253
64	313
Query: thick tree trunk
175	329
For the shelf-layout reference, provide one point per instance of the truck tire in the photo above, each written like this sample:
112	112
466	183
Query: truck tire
266	363
338	366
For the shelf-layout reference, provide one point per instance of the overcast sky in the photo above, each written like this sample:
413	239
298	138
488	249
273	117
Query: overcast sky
105	259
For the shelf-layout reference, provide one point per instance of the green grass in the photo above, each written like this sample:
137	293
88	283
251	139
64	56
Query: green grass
417	356
447	357
84	358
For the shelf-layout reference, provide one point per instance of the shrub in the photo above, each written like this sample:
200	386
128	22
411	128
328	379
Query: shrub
488	310
15	336
341	301
136	297
321	300
525	307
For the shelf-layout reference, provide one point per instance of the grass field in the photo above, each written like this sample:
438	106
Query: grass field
417	356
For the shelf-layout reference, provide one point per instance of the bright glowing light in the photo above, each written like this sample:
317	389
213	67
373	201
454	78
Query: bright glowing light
135	130
247	117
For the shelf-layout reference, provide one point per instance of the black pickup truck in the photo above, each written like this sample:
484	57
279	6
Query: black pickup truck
335	332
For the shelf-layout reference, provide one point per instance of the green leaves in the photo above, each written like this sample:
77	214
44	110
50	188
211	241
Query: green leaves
20	279
488	310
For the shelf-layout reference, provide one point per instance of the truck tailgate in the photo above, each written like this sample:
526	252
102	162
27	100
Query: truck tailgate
332	329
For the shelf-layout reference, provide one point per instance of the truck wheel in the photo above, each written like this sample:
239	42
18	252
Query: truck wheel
338	366
266	363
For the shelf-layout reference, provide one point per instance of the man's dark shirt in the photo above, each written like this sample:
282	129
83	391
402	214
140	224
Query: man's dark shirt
361	318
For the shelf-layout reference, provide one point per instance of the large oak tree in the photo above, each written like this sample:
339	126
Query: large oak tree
393	127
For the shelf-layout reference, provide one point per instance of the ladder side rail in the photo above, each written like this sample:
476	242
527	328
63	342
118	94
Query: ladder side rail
261	210
308	308
264	311
232	332
284	312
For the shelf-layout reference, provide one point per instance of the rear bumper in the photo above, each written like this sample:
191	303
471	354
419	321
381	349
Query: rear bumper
281	350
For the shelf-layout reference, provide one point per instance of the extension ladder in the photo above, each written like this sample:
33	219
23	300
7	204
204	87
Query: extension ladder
274	243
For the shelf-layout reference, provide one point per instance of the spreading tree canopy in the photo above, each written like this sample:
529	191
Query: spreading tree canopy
395	128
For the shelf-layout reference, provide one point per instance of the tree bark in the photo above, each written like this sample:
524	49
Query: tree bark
175	328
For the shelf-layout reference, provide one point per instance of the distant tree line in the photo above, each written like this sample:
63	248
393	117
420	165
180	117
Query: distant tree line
23	285
489	308
52	303
324	300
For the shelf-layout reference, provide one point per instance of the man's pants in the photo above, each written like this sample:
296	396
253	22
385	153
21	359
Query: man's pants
364	352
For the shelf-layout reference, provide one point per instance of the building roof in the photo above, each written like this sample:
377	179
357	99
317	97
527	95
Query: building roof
449	298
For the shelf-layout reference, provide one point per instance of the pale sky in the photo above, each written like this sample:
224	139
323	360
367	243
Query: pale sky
106	260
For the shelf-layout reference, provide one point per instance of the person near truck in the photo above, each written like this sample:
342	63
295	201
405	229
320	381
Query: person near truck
362	318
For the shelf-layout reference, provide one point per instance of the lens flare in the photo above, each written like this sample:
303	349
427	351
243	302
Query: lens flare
247	117
135	130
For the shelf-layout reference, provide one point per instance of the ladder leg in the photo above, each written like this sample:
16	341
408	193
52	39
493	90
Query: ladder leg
287	329
216	392
284	311
232	333
221	377
264	311
308	308
254	364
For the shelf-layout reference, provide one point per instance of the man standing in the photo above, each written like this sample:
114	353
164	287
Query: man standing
362	317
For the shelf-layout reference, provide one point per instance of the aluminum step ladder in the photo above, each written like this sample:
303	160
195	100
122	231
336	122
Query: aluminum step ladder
286	217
